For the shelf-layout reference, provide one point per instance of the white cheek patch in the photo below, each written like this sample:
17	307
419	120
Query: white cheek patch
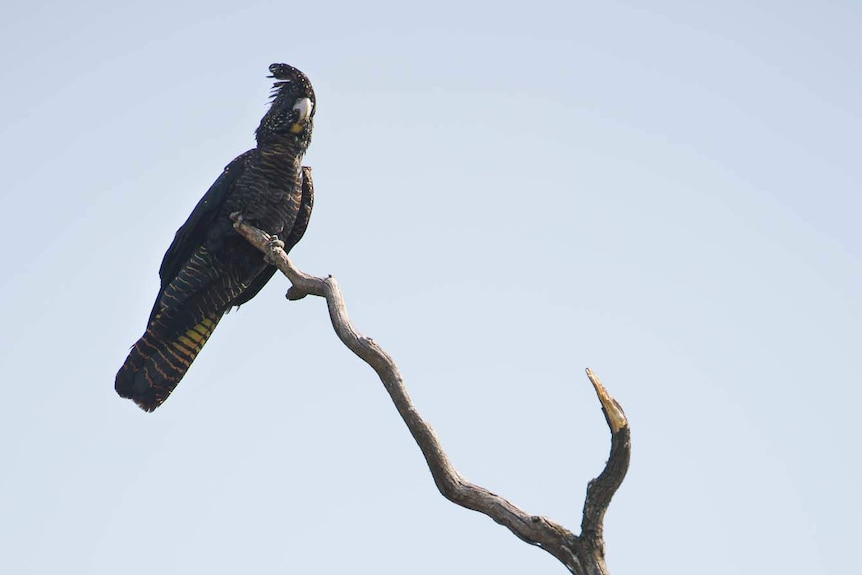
304	107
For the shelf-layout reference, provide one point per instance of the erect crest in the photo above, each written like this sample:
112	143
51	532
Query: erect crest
291	80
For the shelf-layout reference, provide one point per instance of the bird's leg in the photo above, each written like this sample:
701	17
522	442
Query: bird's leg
272	241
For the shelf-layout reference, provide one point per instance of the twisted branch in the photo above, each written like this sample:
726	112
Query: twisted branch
581	554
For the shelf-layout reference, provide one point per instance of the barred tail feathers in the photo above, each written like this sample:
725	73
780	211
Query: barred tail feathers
157	363
182	320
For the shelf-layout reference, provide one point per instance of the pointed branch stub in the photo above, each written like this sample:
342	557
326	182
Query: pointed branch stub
614	414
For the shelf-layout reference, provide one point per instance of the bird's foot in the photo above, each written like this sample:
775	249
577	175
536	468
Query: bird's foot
273	242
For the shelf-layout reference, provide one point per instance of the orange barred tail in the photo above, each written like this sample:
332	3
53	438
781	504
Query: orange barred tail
156	363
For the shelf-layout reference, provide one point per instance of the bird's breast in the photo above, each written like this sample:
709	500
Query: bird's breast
268	195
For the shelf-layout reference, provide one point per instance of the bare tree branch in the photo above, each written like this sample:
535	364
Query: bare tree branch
581	554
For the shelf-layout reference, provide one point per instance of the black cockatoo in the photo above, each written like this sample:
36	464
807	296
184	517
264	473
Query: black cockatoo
209	268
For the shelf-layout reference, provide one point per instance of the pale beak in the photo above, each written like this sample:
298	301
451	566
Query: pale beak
304	107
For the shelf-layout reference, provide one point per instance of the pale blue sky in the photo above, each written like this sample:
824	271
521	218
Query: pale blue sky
507	194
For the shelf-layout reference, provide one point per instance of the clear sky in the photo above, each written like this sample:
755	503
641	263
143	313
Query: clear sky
507	194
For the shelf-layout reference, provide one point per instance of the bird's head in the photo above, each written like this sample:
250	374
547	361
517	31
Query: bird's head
289	118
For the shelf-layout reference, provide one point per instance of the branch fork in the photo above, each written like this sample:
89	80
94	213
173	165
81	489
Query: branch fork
582	554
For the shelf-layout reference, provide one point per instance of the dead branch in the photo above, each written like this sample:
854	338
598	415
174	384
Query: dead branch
582	554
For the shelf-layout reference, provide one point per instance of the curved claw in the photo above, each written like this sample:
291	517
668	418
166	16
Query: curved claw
274	242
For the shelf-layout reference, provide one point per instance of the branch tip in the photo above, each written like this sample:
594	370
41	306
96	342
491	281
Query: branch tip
613	411
294	293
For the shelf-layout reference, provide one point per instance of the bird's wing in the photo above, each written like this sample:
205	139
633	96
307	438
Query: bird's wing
193	232
304	214
290	239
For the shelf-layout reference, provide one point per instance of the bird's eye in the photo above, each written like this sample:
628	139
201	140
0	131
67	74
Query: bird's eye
304	107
